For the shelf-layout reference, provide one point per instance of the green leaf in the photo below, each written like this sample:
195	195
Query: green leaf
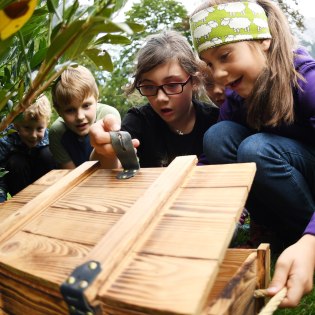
52	5
79	45
101	59
125	27
64	39
21	89
3	172
105	26
38	57
5	96
56	30
30	52
119	4
7	74
113	39
71	11
37	25
136	27
5	47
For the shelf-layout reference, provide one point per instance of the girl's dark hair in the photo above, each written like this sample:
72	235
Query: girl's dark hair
161	48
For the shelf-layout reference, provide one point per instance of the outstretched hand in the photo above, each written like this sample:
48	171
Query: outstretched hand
295	270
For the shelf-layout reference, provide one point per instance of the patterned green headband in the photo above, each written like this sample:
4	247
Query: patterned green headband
228	23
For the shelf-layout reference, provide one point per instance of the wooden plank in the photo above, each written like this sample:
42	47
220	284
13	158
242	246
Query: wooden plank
199	238
142	284
99	199
30	192
106	179
263	274
45	260
72	225
20	297
51	177
118	241
224	175
197	224
237	297
204	202
38	204
233	259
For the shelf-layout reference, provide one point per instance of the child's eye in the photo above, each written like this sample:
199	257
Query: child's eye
209	85
87	105
224	56
70	110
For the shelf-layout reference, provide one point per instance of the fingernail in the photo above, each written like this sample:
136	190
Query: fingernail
272	290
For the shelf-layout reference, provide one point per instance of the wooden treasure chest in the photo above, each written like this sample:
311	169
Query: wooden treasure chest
85	242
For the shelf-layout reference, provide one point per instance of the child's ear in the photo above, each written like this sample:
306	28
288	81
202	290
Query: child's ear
196	81
16	126
265	44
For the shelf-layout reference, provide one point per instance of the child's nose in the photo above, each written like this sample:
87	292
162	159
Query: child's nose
80	114
34	134
161	95
218	89
219	73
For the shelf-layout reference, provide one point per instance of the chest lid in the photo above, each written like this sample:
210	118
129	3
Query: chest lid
159	237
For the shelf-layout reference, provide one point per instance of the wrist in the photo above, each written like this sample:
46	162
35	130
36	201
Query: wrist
308	240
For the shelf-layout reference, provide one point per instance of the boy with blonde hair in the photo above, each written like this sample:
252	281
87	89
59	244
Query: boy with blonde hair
24	149
75	96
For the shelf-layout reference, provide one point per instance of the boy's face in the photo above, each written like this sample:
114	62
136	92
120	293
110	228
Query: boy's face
215	91
79	117
31	132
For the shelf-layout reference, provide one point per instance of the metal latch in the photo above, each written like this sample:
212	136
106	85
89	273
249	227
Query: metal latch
122	144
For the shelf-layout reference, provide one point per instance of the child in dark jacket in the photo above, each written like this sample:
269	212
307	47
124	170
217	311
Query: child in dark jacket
24	149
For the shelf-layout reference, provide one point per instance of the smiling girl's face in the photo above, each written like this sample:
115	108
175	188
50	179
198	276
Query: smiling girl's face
237	65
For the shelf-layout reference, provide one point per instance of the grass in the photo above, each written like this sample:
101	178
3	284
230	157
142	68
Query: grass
307	304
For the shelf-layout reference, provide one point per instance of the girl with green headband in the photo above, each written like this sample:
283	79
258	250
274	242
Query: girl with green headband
268	118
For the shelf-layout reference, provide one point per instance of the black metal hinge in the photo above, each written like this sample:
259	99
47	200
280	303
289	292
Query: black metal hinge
73	288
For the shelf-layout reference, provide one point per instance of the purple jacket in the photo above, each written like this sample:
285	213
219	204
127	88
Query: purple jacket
303	129
310	229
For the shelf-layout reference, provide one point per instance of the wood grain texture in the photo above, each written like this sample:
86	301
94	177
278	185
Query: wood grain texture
161	236
233	260
30	192
237	297
38	204
224	175
46	260
19	296
191	226
142	284
118	241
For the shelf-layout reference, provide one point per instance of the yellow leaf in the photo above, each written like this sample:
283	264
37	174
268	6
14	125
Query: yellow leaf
14	16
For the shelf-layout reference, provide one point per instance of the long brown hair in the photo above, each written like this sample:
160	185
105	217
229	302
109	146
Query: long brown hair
271	102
